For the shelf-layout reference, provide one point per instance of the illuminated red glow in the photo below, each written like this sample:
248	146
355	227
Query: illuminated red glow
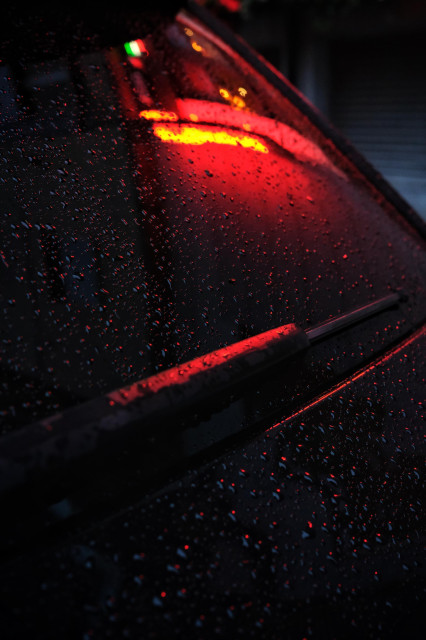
204	111
219	368
198	135
136	63
231	5
343	385
228	115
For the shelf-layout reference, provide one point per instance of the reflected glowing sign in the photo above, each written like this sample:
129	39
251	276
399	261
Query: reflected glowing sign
196	135
135	48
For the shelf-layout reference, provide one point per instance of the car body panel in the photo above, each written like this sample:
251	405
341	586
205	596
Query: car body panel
314	527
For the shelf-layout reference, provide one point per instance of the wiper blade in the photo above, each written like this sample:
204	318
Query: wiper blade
53	444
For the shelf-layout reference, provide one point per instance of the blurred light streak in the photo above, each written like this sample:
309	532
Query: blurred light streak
196	135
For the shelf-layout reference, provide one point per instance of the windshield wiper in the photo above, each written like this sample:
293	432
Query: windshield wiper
53	444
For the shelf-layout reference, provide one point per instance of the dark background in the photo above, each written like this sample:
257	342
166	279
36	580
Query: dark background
361	63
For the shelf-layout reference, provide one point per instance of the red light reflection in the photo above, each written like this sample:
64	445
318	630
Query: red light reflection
379	362
228	116
231	5
136	62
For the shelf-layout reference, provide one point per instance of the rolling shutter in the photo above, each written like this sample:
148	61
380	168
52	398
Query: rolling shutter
378	101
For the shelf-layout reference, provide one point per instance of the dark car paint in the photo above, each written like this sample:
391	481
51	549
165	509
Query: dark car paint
314	529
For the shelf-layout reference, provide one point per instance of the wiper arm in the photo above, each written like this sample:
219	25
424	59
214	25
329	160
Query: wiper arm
345	320
53	444
199	379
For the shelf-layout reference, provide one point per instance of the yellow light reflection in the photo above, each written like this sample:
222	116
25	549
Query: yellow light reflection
197	47
242	91
238	102
163	116
200	135
235	101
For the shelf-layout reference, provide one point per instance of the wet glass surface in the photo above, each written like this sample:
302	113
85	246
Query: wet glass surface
160	200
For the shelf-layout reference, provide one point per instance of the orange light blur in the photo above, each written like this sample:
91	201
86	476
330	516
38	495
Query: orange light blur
238	102
163	116
235	101
188	134
197	47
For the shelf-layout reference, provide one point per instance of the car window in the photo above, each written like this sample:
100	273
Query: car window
159	200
